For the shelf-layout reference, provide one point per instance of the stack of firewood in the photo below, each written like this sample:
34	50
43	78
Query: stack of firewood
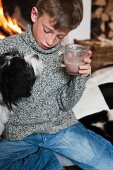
102	19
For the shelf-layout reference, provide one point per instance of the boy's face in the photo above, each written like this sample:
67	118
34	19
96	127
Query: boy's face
44	33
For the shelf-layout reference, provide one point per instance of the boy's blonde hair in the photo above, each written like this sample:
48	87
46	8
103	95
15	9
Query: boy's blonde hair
66	14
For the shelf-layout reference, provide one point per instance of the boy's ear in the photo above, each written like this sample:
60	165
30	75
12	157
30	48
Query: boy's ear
34	14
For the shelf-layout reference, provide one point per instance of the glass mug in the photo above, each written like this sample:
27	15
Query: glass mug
73	57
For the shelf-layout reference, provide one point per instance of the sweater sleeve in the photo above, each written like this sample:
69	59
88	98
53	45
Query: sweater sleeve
70	94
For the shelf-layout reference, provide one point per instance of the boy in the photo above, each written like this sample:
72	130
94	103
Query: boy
44	124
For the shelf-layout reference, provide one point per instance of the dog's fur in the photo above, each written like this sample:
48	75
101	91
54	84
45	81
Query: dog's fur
17	76
101	123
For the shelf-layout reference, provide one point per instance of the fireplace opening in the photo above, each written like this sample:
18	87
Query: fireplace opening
14	16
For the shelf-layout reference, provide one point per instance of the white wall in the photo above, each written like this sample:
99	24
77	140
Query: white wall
84	30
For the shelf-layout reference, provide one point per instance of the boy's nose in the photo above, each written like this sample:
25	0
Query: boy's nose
51	41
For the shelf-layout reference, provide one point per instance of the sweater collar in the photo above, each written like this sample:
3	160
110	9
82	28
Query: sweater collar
30	40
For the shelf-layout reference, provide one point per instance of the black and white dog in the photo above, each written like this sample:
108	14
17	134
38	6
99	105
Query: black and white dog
102	122
17	76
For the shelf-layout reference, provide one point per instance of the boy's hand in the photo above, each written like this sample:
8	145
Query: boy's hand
85	69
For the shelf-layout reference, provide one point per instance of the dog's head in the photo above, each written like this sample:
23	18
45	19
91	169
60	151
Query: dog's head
17	76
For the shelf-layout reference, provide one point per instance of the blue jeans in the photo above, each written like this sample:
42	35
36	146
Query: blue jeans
82	146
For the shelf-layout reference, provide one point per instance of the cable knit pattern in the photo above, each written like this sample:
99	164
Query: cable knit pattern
49	108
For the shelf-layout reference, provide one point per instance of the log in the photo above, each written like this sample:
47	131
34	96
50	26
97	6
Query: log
102	19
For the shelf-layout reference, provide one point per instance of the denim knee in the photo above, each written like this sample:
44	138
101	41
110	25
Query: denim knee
79	144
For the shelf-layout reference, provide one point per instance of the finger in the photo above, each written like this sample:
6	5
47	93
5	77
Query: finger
89	53
87	60
85	67
86	71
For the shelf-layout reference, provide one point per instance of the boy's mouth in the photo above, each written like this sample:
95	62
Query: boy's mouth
45	47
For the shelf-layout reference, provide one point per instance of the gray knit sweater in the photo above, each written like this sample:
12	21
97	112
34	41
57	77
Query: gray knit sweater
49	108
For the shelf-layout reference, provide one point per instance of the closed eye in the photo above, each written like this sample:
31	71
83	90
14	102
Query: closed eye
46	30
61	36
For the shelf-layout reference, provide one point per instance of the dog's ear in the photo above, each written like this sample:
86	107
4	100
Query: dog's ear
16	53
6	57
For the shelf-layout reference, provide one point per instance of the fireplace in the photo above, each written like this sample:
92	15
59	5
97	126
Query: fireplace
14	16
8	25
